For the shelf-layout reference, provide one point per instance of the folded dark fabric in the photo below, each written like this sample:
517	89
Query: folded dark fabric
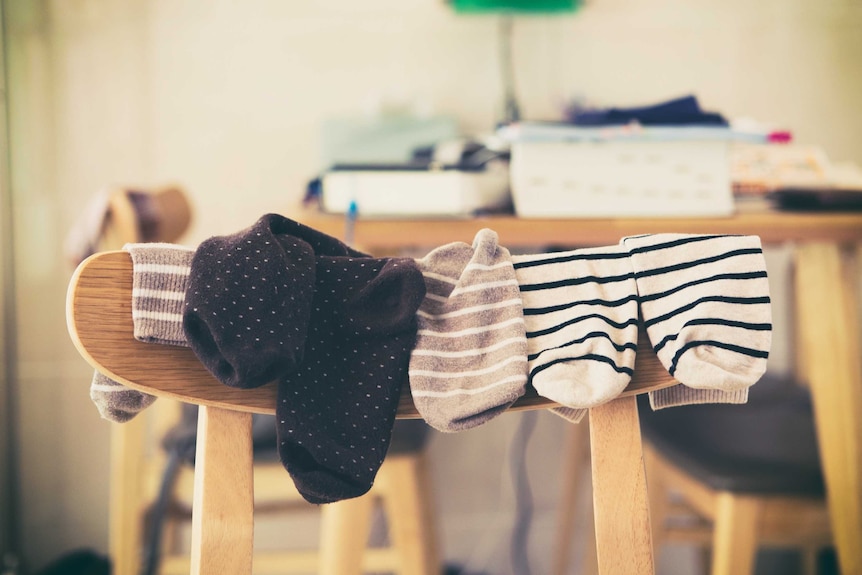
248	303
676	112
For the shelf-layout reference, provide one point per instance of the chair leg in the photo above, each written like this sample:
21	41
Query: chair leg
409	514
574	457
734	546
590	560
344	535
621	508
126	506
658	500
809	560
223	504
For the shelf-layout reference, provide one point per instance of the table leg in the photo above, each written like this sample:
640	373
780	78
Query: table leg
828	325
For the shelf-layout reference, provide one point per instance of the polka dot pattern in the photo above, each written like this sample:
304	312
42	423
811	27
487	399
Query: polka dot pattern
282	301
335	413
248	303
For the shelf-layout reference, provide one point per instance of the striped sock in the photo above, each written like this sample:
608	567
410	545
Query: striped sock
115	401
581	315
706	308
469	361
159	280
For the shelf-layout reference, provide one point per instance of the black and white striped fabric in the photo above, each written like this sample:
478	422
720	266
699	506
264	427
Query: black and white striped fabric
581	317
705	305
160	277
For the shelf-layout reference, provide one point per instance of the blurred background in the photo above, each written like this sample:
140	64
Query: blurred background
238	102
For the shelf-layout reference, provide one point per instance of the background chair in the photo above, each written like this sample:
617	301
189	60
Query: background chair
747	475
138	470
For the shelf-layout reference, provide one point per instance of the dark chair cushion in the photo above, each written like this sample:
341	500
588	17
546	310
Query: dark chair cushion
767	446
408	436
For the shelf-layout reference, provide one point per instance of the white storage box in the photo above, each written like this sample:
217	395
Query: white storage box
625	178
408	193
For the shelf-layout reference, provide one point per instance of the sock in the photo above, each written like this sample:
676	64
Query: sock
115	401
570	414
159	281
580	309
470	360
160	275
249	299
706	308
335	413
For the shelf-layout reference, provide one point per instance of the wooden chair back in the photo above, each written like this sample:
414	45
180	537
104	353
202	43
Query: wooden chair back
99	318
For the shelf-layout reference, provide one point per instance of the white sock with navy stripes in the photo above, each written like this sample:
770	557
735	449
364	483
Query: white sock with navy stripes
469	361
706	308
581	316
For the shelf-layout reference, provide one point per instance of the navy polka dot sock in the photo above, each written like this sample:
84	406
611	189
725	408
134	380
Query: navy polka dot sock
335	413
248	303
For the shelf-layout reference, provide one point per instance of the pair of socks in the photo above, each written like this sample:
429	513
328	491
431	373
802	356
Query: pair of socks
160	276
282	302
704	301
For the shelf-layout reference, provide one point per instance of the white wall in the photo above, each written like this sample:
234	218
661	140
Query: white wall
227	98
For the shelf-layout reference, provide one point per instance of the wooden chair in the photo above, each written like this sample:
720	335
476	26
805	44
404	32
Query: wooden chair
135	475
100	324
742	476
785	500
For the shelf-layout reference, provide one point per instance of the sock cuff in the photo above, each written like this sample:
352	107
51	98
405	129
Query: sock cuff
570	414
386	305
160	278
652	245
456	263
677	395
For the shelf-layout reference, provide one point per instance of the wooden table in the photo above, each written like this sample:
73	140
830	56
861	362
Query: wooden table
383	236
826	254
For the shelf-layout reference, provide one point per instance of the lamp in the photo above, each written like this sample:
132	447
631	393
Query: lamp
511	109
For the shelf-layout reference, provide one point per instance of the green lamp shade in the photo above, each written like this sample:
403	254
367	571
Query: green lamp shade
525	6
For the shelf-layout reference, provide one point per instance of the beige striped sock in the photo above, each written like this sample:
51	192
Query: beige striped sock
159	281
469	361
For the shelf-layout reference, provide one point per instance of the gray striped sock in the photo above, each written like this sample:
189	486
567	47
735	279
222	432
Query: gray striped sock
706	308
159	281
581	315
469	361
115	401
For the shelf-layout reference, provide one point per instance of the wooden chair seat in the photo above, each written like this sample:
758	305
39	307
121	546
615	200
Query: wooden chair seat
100	323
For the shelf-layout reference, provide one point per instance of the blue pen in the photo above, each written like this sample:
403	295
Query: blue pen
350	222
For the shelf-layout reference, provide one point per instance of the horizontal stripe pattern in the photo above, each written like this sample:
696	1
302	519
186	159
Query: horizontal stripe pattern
706	308
469	362
160	277
580	313
517	379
